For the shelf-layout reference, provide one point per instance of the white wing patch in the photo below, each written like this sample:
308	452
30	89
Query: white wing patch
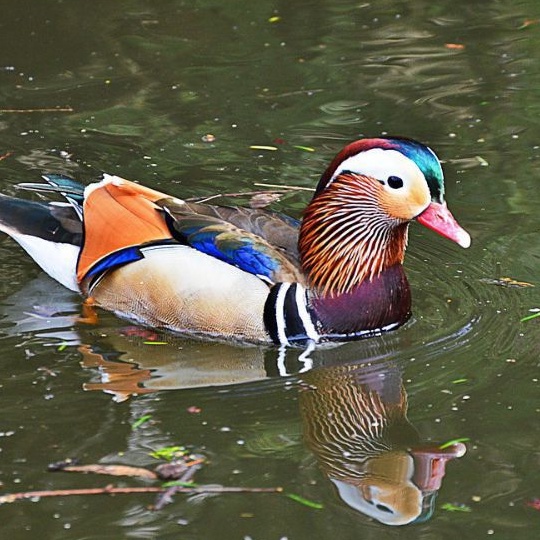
57	260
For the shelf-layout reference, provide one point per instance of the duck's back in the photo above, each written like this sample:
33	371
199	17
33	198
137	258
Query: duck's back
188	267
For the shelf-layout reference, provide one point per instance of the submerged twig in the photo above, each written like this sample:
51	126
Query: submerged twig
183	478
39	110
287	187
293	93
276	189
238	194
107	490
181	472
112	490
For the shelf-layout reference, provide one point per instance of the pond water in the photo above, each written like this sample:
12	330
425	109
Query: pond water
137	86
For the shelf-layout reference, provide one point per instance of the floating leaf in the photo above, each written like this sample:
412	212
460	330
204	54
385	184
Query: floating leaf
451	507
454	46
263	147
452	442
305	502
529	317
173	483
140	421
534	503
507	282
274	19
62	347
482	161
155	342
168	453
527	23
304	148
459	381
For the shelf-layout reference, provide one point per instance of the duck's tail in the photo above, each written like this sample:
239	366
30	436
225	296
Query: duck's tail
72	190
51	233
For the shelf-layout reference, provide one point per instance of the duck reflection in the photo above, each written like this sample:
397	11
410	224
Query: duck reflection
130	361
126	359
355	423
354	414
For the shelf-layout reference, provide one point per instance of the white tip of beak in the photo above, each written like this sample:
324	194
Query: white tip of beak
464	239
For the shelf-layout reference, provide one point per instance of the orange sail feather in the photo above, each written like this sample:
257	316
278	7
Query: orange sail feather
119	214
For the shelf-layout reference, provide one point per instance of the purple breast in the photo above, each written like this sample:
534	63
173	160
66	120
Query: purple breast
374	304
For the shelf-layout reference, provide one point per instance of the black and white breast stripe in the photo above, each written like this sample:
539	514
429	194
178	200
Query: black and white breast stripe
287	316
289	319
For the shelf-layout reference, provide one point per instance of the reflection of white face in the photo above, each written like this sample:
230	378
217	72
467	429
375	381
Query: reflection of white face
389	500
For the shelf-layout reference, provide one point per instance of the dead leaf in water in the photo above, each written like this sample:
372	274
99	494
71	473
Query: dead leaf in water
507	282
528	22
112	470
534	503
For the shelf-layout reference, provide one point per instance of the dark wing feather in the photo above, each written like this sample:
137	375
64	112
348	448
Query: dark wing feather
72	190
278	230
53	222
256	241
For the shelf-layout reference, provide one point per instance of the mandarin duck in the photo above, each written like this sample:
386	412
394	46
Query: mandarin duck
240	273
356	425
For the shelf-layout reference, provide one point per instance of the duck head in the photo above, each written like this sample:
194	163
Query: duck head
356	224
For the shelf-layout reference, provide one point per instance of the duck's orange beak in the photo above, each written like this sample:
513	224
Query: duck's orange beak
438	218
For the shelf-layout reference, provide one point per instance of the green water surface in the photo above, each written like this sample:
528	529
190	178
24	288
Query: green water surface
134	88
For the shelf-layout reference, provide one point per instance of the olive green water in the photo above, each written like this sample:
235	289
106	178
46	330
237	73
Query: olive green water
140	85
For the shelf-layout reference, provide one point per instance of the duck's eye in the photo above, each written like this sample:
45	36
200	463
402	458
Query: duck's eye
395	182
384	508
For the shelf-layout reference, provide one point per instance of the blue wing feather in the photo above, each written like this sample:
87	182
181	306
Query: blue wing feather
258	242
241	251
118	258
